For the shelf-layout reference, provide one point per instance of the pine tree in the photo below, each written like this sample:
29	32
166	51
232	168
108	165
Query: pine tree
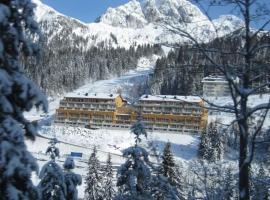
229	185
261	189
203	146
216	143
52	184
210	147
72	180
161	189
168	164
108	184
17	95
134	176
93	180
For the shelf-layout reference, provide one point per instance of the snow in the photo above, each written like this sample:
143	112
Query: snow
126	84
193	99
93	96
227	118
83	140
140	23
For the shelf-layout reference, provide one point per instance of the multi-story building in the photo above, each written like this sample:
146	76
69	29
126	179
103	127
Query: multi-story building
185	114
91	110
163	113
215	86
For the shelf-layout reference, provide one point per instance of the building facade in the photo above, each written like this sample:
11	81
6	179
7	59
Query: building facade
162	113
185	114
215	86
92	110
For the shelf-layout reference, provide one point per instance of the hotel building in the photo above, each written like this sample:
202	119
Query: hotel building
160	112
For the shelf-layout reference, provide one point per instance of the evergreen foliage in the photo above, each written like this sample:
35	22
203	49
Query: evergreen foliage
181	71
66	65
161	189
93	180
168	164
17	95
108	183
210	147
229	185
134	176
52	184
138	130
72	180
260	185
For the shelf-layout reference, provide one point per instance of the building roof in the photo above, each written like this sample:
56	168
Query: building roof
93	96
216	79
192	99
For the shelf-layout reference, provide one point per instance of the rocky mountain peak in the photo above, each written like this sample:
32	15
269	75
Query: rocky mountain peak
129	15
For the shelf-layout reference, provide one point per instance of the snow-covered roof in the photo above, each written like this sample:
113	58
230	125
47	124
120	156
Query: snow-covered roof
93	96
192	99
210	79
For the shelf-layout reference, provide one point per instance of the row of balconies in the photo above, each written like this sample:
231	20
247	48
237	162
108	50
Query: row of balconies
84	105
191	106
171	113
87	101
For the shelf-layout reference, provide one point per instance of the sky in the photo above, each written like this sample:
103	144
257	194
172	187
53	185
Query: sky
84	10
89	10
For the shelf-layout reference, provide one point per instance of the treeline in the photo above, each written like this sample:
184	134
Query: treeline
64	66
182	70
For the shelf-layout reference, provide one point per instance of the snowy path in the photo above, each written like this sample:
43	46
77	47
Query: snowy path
128	84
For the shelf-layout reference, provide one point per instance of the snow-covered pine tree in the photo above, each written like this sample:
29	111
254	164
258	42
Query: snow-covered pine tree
203	150
216	142
52	184
161	189
17	94
210	147
260	188
93	180
108	183
52	150
134	176
229	185
72	180
168	164
138	130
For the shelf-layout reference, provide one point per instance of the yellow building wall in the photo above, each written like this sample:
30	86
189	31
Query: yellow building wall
119	101
200	120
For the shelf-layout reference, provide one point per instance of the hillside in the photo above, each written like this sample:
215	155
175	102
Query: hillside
75	53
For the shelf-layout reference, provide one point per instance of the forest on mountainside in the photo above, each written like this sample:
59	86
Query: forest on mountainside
181	72
64	67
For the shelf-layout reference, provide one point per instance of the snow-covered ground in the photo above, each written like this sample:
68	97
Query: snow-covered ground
83	140
128	84
227	118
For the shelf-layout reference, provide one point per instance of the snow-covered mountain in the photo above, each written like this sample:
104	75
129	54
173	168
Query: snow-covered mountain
136	22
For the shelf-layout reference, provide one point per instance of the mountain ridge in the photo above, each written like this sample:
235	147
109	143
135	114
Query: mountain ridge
138	22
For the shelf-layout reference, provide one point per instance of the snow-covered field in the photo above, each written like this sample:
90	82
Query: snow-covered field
83	140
